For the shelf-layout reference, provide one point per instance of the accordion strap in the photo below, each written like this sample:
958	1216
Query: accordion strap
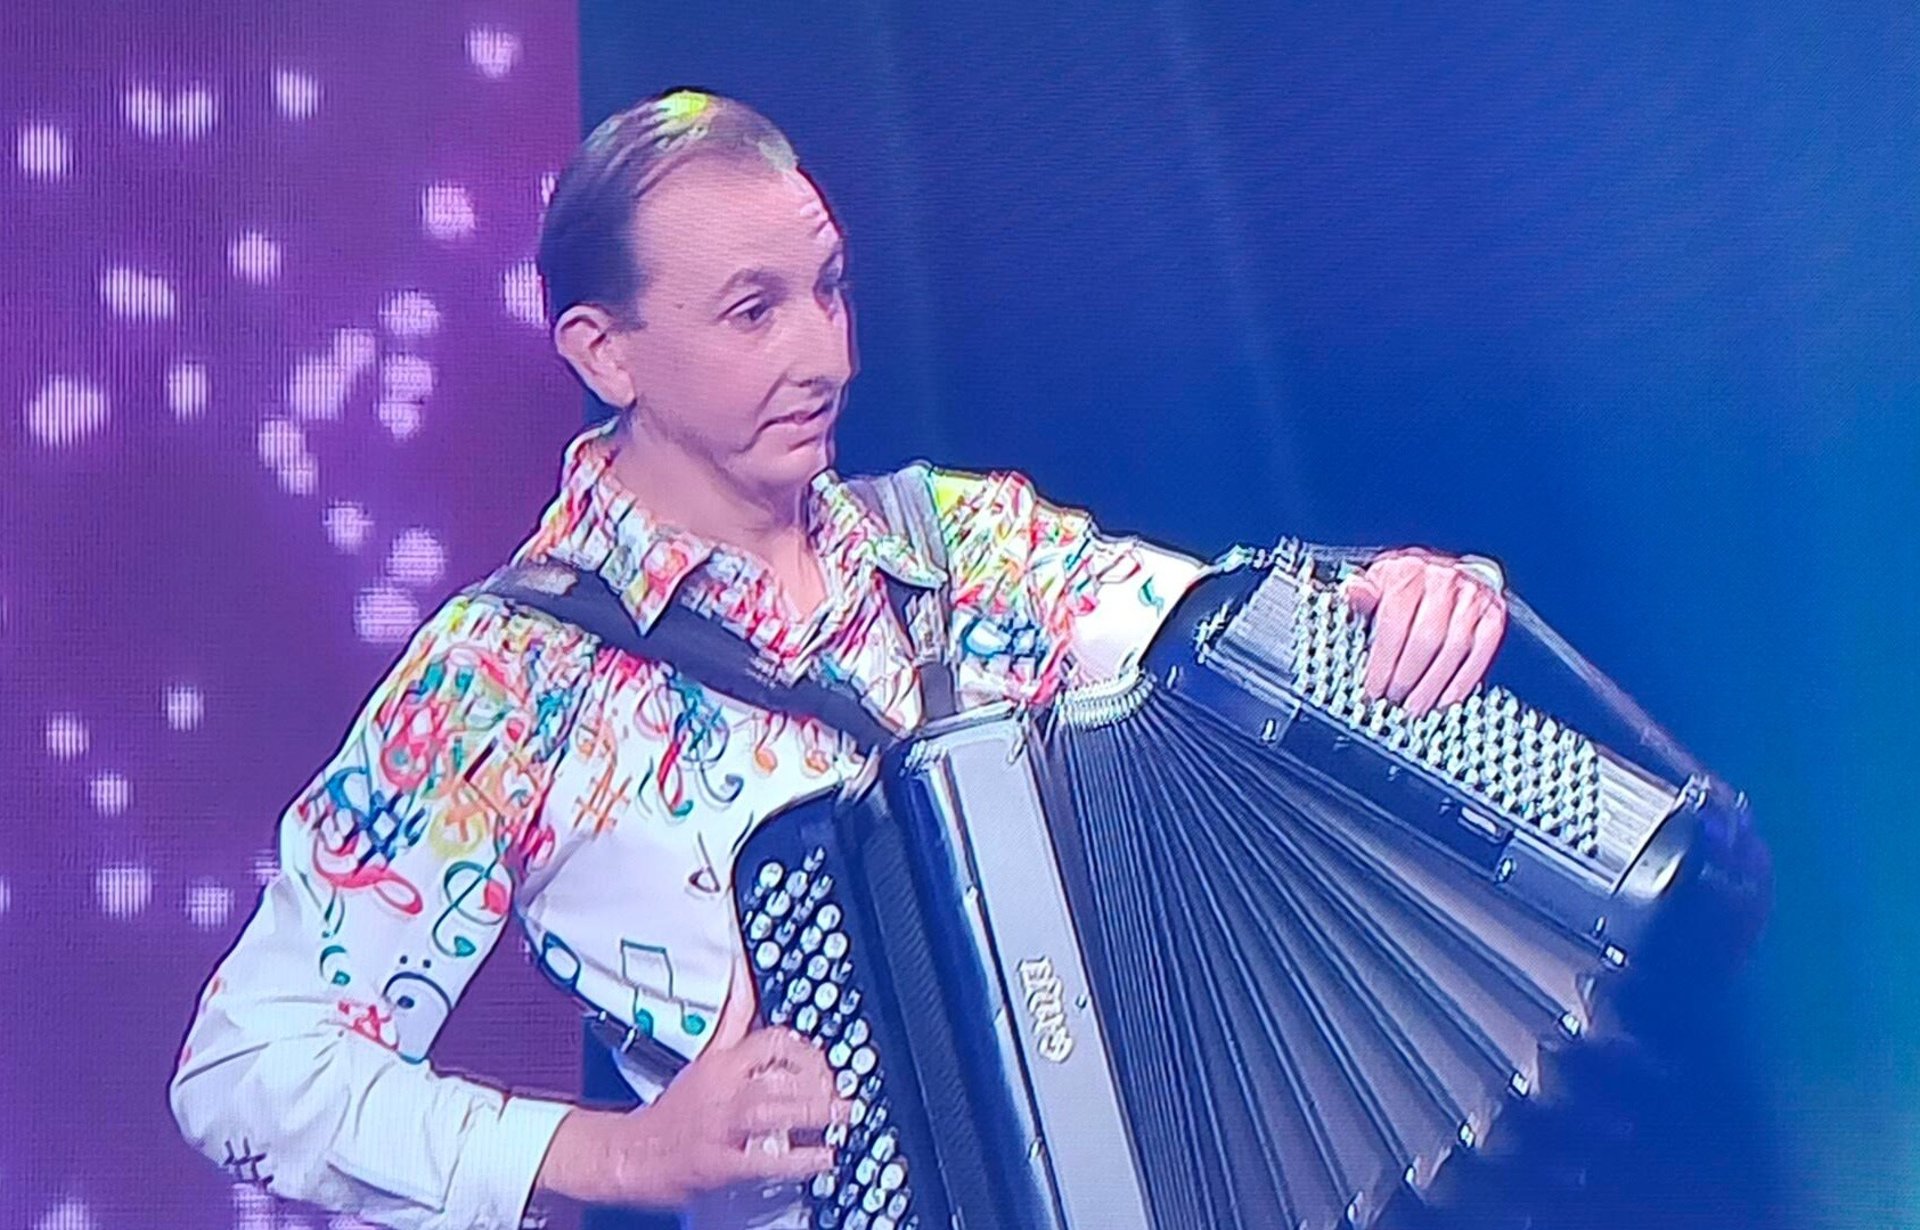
719	659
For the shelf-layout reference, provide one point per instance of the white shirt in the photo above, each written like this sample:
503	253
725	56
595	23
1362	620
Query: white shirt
509	765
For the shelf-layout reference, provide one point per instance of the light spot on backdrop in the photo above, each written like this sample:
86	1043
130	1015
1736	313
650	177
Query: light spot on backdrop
66	410
43	152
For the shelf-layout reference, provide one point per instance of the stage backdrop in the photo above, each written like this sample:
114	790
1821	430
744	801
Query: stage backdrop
275	382
1625	295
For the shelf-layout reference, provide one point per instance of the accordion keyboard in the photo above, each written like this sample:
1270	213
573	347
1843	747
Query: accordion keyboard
802	957
1543	777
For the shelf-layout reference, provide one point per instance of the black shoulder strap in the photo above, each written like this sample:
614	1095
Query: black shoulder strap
903	500
716	658
697	647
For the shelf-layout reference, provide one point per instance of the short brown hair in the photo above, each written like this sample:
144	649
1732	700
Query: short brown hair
587	253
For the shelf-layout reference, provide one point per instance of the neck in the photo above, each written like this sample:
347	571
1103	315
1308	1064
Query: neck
689	491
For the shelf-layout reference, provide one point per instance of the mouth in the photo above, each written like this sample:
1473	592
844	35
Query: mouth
807	416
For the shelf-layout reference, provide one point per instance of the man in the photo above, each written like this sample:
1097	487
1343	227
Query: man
508	764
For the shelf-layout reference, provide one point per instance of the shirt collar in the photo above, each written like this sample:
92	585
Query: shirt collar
595	523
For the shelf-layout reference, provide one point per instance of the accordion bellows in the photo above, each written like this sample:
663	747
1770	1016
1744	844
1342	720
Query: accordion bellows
1223	944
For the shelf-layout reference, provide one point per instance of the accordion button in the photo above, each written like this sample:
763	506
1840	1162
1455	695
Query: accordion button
796	883
838	1054
864	1060
857	1031
897	1208
767	955
829	916
759	926
824	996
865	1172
874	1200
771	873
885	1146
810	939
845	1083
818	967
779	904
892	1176
807	1020
858	1111
835	945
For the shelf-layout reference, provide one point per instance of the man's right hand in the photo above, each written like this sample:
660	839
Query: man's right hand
729	1118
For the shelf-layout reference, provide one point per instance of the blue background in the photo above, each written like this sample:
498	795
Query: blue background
1626	295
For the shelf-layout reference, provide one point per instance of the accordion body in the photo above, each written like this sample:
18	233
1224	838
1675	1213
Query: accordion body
1223	943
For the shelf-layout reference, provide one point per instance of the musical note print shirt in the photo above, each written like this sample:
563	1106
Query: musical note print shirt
508	766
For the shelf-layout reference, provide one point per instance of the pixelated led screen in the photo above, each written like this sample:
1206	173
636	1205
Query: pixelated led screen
277	383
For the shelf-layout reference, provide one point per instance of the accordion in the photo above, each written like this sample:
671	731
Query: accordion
1223	942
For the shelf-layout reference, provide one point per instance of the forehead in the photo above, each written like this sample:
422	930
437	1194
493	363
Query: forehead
709	218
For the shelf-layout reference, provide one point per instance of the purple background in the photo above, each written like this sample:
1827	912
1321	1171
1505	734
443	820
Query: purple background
270	395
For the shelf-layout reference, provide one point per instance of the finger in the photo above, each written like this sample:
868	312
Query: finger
776	1047
784	1083
1468	605
779	1116
1400	595
1361	594
1439	594
1487	631
801	1163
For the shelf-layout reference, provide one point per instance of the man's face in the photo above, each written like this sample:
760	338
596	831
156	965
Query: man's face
748	344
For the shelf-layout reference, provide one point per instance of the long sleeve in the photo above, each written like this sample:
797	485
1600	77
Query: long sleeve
305	1068
1061	601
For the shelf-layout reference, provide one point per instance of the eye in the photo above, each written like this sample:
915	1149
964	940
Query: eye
753	311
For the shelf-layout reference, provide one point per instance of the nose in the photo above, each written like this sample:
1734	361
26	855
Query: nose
825	353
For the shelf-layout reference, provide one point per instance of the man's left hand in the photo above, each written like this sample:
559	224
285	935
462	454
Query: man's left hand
1436	625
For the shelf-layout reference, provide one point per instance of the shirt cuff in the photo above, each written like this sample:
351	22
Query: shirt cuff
499	1161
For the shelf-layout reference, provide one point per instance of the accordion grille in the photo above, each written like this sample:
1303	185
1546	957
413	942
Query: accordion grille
1297	638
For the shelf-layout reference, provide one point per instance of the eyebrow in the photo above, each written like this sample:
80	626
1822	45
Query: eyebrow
771	277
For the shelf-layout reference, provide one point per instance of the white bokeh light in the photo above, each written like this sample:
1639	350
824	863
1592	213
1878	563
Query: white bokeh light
299	477
71	1213
109	793
184	706
296	94
255	258
123	889
43	152
347	526
446	212
400	418
416	558
6	896
384	615
66	411
318	387
410	314
548	182
67	736
493	51
194	111
136	295
146	109
520	291
281	443
357	348
405	377
188	114
187	389
266	865
209	902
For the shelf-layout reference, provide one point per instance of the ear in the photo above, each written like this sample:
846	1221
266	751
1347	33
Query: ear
587	338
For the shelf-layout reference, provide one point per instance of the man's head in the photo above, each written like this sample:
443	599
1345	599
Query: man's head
694	279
